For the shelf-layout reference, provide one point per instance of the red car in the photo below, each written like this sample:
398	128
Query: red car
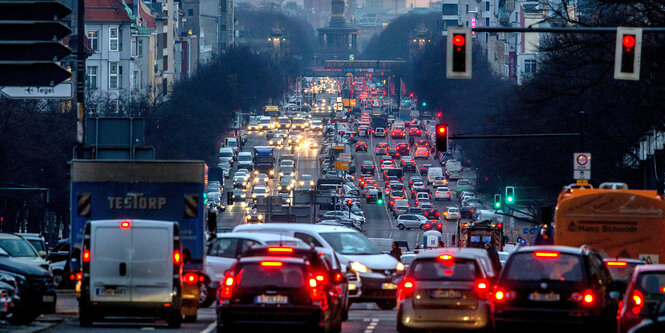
361	145
414	131
644	292
398	133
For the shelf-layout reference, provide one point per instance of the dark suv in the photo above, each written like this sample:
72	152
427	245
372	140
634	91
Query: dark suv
555	285
273	291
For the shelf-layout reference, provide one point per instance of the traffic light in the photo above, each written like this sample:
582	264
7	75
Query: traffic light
424	103
379	198
29	43
442	137
628	53
510	194
497	201
458	53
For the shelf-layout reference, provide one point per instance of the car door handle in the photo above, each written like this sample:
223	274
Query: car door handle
123	269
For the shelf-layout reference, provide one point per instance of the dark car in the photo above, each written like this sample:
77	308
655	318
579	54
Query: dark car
409	165
328	270
422	143
274	291
414	131
398	133
367	167
394	153
36	289
59	259
394	172
381	148
466	212
555	286
424	168
361	146
403	149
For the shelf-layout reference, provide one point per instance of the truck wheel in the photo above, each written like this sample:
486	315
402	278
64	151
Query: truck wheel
206	295
174	320
190	318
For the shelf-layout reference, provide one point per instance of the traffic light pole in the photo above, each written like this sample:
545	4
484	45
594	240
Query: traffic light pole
561	29
513	136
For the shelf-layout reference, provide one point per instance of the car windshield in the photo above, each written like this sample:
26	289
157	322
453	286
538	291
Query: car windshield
545	265
260	190
254	275
38	244
226	154
17	247
621	272
244	157
442	270
352	243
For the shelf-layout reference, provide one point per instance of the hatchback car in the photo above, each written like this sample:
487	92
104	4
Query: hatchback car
439	181
403	148
381	148
444	291
411	221
421	152
367	167
451	213
442	193
273	291
555	286
643	295
361	146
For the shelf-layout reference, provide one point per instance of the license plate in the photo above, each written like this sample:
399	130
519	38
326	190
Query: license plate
110	291
551	297
443	293
48	298
271	299
388	286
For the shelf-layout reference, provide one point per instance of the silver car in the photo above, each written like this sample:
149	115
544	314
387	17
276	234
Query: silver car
444	290
409	221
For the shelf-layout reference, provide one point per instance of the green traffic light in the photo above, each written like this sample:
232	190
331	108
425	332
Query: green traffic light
497	204
510	199
379	201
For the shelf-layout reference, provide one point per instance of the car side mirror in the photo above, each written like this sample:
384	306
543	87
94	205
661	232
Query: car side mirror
42	254
615	294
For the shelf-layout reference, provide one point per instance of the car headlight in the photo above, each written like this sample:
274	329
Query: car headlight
279	188
272	172
253	195
281	174
302	183
260	217
400	266
358	267
311	183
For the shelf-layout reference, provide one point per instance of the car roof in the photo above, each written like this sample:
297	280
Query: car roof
256	236
289	260
649	268
291	226
456	252
9	236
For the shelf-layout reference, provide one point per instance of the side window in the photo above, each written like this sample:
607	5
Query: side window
594	270
223	247
307	239
246	244
603	272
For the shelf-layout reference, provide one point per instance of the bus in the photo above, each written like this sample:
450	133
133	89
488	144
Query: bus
612	219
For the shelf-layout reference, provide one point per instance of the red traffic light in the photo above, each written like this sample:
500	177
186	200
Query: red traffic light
459	40
350	202
441	129
628	41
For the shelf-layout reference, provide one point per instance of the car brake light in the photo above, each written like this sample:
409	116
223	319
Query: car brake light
406	290
482	289
546	254
191	278
585	297
79	276
439	225
176	257
226	289
271	264
427	225
280	250
86	255
124	224
616	263
638	302
446	257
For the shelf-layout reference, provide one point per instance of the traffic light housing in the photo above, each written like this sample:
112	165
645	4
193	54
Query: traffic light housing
510	194
628	53
497	201
442	137
458	53
379	198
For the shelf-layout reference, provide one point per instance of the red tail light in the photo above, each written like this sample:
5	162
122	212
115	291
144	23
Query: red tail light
271	264
191	278
226	287
338	277
177	258
405	290
482	289
124	224
79	276
86	255
636	302
616	263
586	297
427	225
546	254
439	225
501	295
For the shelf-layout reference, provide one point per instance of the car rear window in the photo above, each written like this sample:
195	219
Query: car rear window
652	284
435	269
253	275
545	265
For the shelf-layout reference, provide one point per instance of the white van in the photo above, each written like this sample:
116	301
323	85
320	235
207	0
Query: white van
245	160
226	152
380	132
432	173
131	268
368	269
231	143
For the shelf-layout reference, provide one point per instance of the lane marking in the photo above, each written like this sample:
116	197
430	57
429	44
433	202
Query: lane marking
210	327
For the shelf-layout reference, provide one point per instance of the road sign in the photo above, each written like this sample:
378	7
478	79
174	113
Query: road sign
582	166
341	165
340	191
62	90
29	43
352	57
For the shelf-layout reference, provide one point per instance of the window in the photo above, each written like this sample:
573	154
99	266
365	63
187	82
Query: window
120	39
113	75
134	47
139	46
467	9
113	39
450	9
93	40
449	23
529	66
487	6
506	70
119	77
135	80
307	239
91	77
246	244
487	21
190	12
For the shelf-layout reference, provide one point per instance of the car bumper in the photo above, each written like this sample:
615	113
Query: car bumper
512	317
269	315
134	309
374	287
439	318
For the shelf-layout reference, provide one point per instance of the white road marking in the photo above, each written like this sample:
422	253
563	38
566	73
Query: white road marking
210	327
